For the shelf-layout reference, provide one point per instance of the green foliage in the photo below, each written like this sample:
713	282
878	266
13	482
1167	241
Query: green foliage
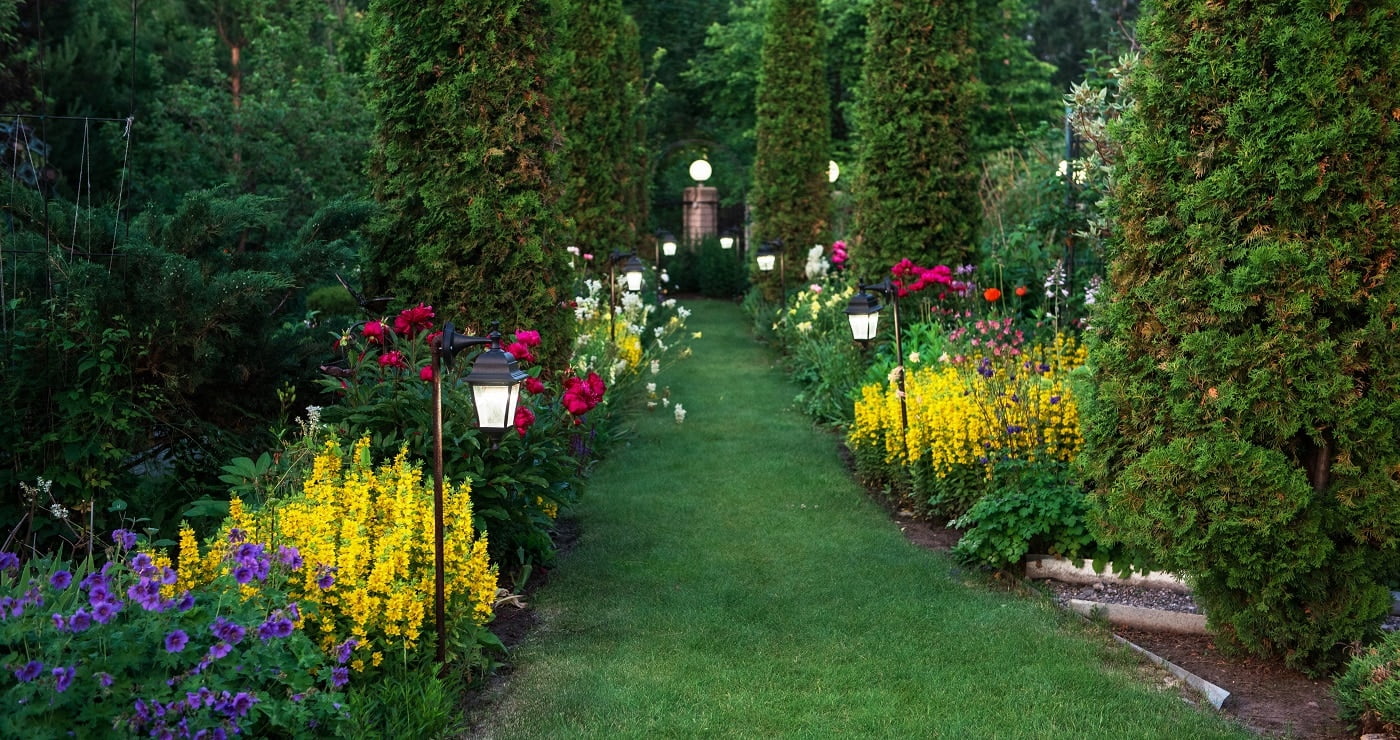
1028	507
128	372
1065	32
790	193
1242	422
915	183
465	165
407	701
128	669
1368	690
814	335
1016	98
599	97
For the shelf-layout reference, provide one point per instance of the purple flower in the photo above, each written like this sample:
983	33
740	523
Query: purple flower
227	631
344	650
274	628
325	577
1054	400
105	610
60	580
80	621
124	539
220	650
141	562
8	561
146	593
63	678
30	671
60	623
186	602
290	557
340	676
176	641
235	535
104	679
242	702
243	574
168	577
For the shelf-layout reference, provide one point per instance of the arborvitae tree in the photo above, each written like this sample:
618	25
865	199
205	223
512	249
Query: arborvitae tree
1016	96
464	165
599	99
1243	424
790	197
915	188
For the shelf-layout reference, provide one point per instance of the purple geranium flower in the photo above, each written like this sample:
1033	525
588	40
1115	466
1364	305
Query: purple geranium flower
29	671
125	539
290	557
176	641
274	628
227	631
80	621
63	678
186	602
104	611
241	703
60	580
104	679
340	676
220	650
8	561
325	577
344	650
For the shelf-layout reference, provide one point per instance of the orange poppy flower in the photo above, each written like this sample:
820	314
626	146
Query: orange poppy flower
991	294
1021	291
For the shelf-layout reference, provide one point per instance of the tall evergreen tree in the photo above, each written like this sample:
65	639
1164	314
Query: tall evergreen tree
599	99
464	164
916	189
1017	98
790	198
1242	429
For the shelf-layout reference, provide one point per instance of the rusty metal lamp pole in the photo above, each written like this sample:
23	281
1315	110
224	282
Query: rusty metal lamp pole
495	381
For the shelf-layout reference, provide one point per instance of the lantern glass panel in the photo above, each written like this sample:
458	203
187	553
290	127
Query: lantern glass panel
495	405
766	262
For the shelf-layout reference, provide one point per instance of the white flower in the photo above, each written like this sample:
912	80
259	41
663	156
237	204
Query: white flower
1091	293
943	357
571	249
896	374
680	413
651	388
804	327
816	266
61	513
666	402
669	303
655	366
659	331
651	405
914	358
683	312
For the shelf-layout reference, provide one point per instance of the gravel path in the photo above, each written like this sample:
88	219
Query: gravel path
1112	593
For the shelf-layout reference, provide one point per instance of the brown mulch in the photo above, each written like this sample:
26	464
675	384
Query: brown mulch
1265	696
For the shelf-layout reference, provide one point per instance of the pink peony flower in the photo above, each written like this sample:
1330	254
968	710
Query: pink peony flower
426	373
393	358
527	337
374	332
411	321
524	417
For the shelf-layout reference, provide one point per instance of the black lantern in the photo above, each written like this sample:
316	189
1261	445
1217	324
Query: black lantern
864	314
767	257
495	380
668	244
632	271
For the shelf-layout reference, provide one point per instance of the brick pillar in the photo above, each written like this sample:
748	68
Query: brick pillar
701	217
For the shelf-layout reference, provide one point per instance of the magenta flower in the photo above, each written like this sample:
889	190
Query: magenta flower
393	358
426	374
527	337
411	321
374	332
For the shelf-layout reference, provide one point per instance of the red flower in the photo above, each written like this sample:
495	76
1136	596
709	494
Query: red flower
411	321
524	417
533	385
393	358
426	373
374	331
520	352
991	294
527	337
581	396
1021	291
596	389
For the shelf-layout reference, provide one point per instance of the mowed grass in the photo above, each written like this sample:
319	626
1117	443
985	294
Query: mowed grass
733	581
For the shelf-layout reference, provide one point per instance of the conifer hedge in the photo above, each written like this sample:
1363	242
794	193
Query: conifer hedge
1244	422
464	165
793	135
599	98
916	187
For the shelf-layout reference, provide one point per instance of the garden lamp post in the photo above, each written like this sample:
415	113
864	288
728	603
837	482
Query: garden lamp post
770	254
863	312
891	293
666	242
495	380
727	241
632	272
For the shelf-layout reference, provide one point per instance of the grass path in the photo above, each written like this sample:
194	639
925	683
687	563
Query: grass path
732	581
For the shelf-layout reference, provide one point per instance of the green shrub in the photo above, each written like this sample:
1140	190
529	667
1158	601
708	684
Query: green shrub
1368	691
1028	508
1243	414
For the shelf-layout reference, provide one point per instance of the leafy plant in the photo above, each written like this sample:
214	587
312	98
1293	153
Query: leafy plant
1028	507
1368	691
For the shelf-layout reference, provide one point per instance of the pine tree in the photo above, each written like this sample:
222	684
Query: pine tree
464	165
790	198
915	188
599	99
1243	425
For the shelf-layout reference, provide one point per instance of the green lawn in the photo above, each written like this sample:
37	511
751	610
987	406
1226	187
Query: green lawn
732	580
